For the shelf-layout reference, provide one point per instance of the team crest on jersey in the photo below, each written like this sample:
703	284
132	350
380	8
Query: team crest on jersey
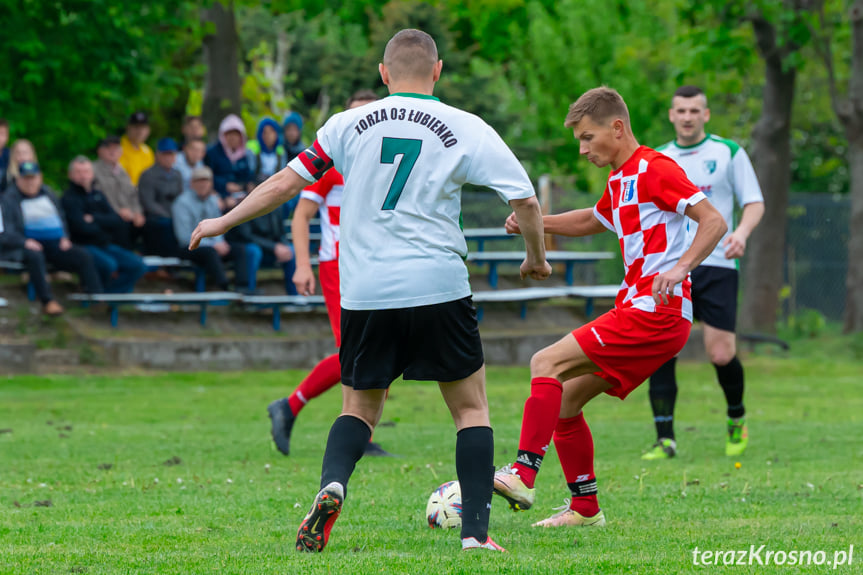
709	166
628	190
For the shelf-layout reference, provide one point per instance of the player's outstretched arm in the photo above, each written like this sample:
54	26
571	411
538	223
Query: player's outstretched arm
527	211
711	228
279	188
574	223
304	277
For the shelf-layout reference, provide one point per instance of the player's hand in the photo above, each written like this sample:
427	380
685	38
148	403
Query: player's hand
735	246
207	229
536	271
304	279
65	244
663	285
511	225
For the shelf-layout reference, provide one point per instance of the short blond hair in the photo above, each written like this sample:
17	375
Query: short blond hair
410	54
600	105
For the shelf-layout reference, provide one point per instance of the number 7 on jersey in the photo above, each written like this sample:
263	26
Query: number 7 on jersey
409	151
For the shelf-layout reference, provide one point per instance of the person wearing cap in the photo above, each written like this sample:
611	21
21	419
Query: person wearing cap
95	225
190	208
160	185
231	162
137	155
113	181
34	232
292	130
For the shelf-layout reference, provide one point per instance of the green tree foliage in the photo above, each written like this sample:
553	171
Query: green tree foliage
73	71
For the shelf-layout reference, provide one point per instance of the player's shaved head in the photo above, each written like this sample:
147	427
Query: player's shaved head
410	55
600	105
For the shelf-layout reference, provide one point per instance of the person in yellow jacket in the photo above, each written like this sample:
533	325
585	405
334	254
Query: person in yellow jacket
137	155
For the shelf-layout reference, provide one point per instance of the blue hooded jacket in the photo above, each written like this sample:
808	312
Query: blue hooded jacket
267	161
295	149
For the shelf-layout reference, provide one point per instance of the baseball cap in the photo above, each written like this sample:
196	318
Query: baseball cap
202	173
109	141
139	117
29	169
166	145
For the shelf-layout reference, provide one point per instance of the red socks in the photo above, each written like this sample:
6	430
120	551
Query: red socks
574	444
326	374
541	411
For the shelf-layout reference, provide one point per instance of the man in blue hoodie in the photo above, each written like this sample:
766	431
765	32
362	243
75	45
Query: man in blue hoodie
267	154
292	130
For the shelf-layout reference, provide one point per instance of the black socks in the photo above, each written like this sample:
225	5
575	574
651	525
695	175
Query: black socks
345	446
663	395
474	464
731	379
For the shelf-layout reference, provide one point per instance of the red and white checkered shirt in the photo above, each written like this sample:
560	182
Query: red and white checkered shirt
644	203
327	193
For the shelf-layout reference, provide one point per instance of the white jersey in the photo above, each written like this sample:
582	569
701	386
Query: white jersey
721	169
404	160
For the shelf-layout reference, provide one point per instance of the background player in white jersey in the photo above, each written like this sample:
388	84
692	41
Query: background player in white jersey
324	198
722	170
406	300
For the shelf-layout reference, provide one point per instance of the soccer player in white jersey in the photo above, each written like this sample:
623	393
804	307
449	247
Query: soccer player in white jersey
406	301
721	169
324	198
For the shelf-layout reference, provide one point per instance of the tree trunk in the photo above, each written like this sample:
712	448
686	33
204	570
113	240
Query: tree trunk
771	139
221	55
853	121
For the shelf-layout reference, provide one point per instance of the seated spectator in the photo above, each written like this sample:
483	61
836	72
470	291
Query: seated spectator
193	129
4	152
95	225
157	190
268	156
34	232
22	151
292	130
263	239
230	162
113	181
137	155
190	158
189	209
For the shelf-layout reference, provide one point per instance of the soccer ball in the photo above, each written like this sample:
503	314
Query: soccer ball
444	506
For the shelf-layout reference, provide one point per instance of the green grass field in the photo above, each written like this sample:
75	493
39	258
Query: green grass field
177	474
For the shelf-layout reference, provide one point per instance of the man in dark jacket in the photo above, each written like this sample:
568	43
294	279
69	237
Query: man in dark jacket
160	185
34	233
94	224
264	242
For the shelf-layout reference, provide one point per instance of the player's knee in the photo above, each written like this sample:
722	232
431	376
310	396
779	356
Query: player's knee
541	365
722	355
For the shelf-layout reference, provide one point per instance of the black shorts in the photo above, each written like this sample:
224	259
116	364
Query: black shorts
714	296
438	342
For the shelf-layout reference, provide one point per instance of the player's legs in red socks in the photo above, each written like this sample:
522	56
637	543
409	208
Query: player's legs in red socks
574	444
541	411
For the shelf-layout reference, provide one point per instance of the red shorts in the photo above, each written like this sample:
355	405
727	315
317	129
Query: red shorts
629	345
328	272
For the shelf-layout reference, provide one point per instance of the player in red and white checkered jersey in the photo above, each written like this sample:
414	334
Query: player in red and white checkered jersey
646	201
323	198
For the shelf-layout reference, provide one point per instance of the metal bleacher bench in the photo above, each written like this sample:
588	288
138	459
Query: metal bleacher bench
524	295
493	259
115	300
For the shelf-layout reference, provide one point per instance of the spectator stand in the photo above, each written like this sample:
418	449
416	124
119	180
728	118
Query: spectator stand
482	235
525	295
115	300
570	259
